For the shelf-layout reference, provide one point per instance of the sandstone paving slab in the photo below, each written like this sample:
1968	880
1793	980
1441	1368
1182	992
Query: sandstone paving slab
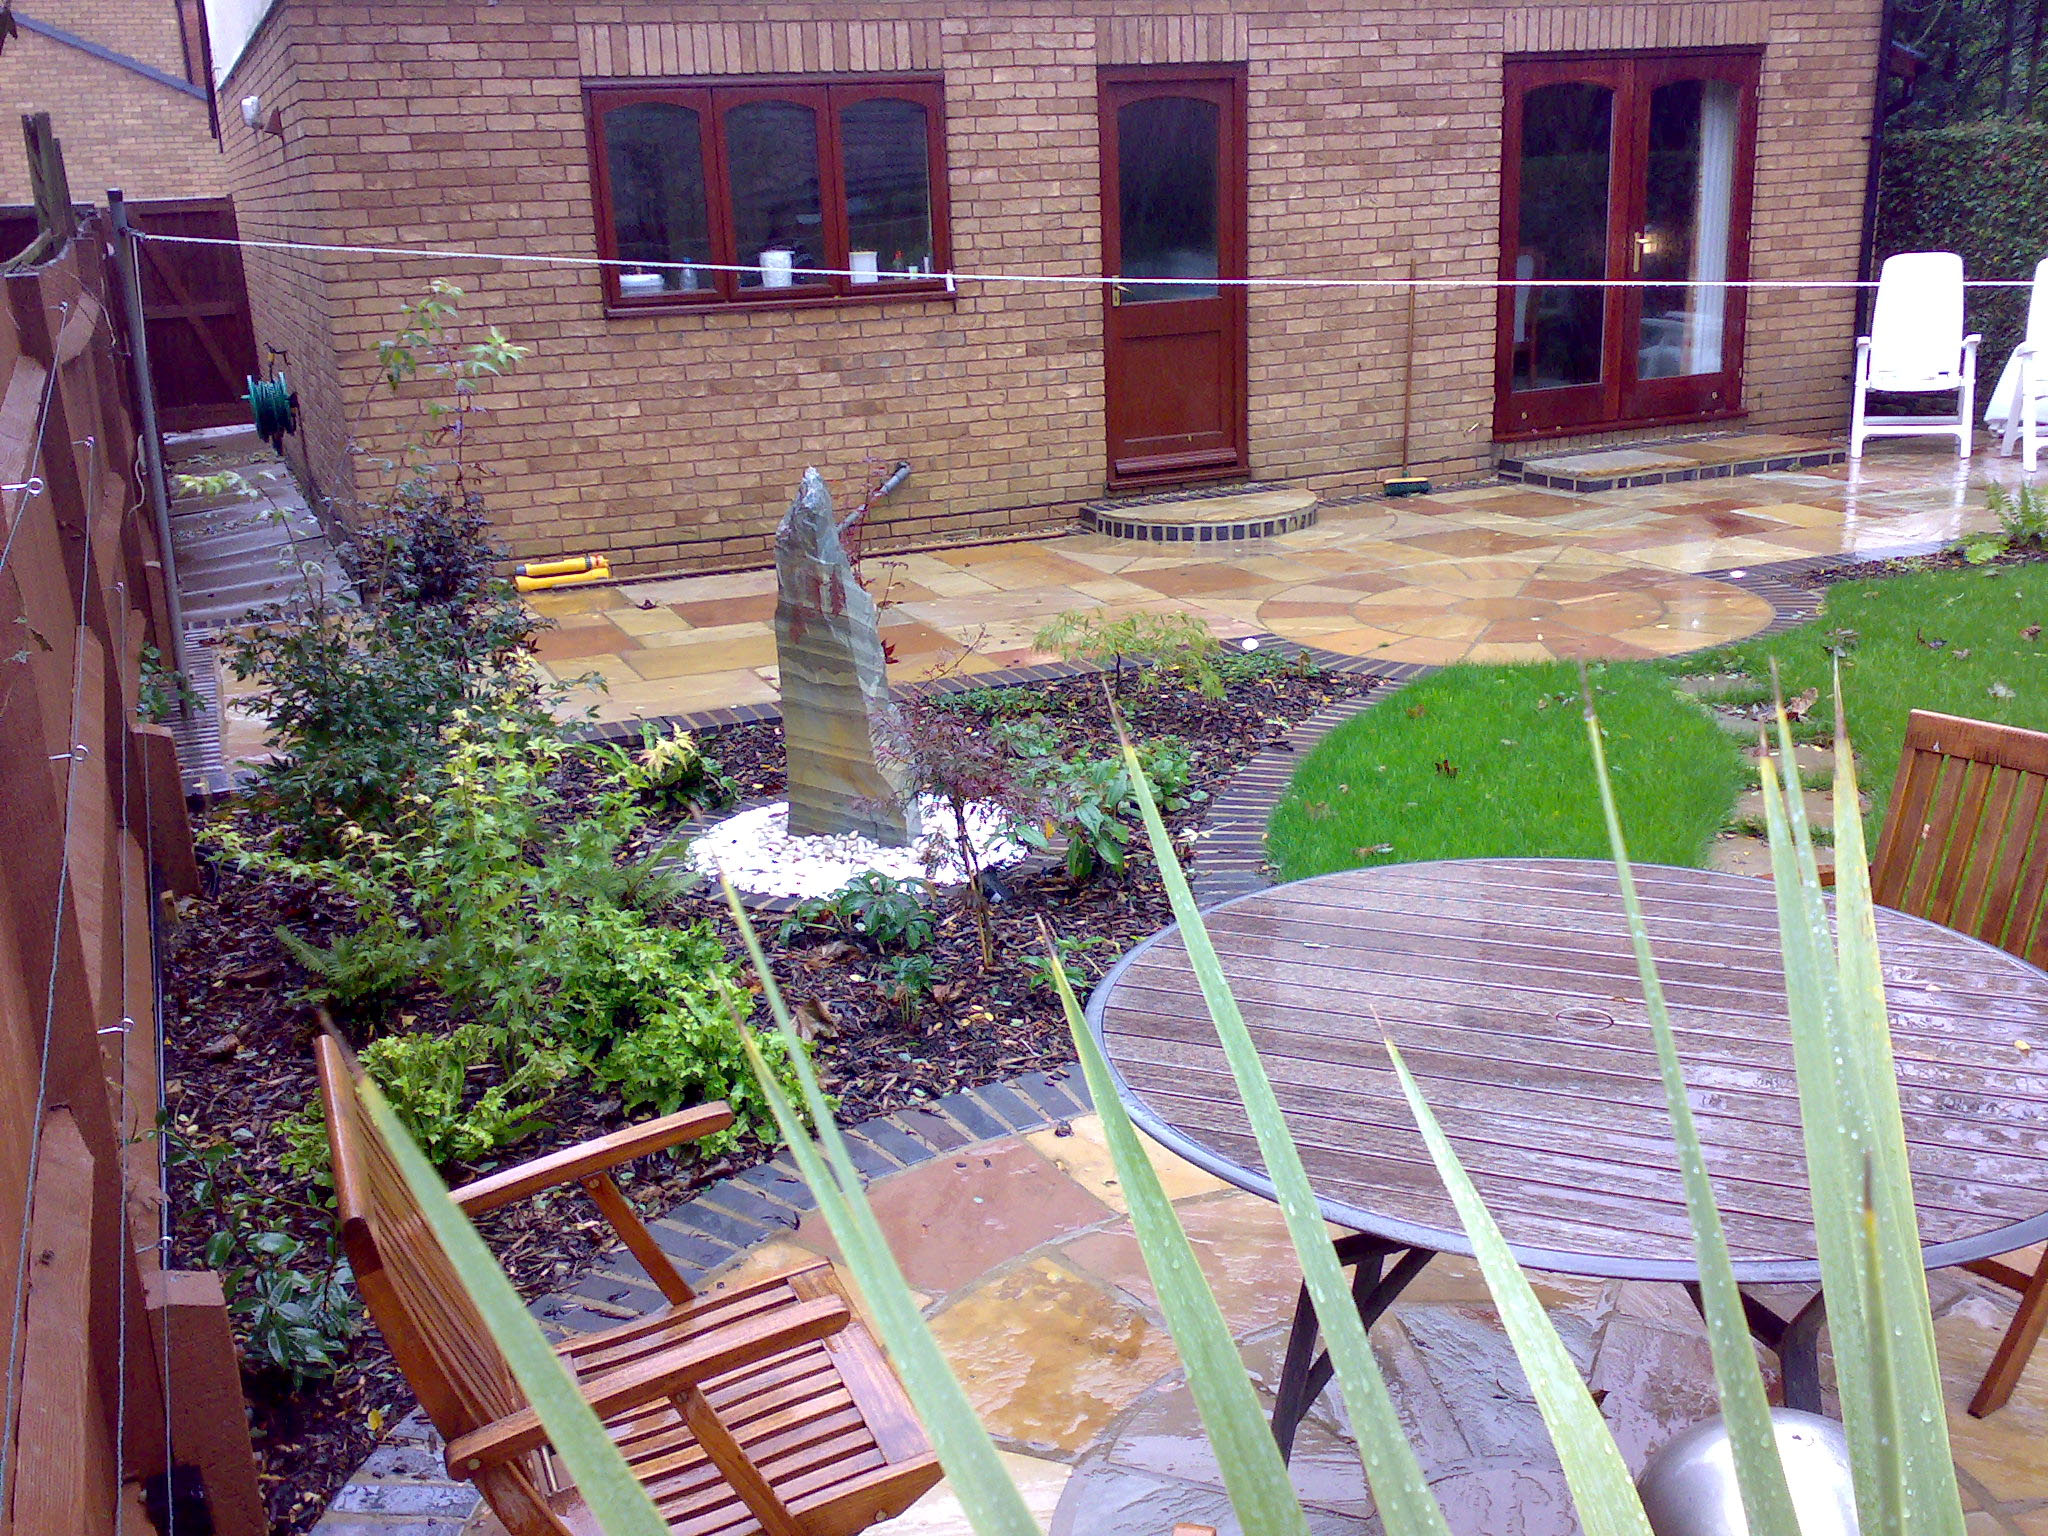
1077	1148
1047	1356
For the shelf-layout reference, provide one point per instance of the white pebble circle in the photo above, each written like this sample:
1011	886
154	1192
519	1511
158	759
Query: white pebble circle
753	849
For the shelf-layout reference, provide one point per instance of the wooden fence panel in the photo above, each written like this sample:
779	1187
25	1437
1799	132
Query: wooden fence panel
92	823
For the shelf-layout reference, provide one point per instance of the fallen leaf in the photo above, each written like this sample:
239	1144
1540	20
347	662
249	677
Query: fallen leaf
1543	702
1447	768
2000	691
1933	645
1798	707
1372	849
1417	711
813	1019
2031	632
1317	810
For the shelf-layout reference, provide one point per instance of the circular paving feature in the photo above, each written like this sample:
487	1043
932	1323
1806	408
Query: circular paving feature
1206	519
1513	608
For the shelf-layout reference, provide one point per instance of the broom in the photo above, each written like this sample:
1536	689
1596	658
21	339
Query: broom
1405	484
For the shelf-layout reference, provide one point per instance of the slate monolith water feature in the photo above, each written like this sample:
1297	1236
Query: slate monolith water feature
836	713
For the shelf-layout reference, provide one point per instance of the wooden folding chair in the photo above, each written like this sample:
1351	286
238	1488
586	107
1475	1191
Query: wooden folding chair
1965	844
763	1408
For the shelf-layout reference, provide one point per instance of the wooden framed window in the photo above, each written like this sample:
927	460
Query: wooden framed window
812	191
1638	167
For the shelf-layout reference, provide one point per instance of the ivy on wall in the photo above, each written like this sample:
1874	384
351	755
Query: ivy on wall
1979	189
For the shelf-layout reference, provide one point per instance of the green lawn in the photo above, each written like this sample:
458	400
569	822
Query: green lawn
1952	641
1378	790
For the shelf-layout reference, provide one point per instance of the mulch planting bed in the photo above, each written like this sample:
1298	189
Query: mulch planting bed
239	1060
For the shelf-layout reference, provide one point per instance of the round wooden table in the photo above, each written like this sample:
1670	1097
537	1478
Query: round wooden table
1511	988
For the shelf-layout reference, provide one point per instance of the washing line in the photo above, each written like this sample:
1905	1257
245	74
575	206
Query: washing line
550	258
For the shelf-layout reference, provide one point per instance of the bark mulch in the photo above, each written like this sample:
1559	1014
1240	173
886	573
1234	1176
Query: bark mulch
239	1062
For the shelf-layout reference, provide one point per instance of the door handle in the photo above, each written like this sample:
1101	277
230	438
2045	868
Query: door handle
1637	248
1116	294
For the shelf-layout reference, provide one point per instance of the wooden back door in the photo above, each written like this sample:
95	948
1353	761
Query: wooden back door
1173	219
1635	169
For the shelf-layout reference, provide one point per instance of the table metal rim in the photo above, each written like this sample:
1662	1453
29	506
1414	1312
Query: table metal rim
1986	1245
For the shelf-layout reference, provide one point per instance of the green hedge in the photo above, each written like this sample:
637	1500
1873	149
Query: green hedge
1980	189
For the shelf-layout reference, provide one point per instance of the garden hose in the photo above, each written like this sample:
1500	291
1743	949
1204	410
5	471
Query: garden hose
569	571
274	408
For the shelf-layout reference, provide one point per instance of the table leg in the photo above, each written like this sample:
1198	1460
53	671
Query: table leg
1795	1340
1374	1287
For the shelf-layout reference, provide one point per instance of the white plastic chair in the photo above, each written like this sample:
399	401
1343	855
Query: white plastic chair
1916	345
2016	404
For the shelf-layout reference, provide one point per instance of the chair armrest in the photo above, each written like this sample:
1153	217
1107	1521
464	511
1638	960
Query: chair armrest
1972	341
586	1158
664	1375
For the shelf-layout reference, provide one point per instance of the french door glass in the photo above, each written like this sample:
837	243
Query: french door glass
1633	168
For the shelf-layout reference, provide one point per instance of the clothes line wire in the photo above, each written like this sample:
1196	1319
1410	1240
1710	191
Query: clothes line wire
549	258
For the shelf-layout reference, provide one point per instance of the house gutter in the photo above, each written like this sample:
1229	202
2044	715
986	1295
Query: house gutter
121	60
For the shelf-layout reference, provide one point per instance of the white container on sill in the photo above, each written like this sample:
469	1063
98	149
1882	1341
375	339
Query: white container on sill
637	285
777	268
864	266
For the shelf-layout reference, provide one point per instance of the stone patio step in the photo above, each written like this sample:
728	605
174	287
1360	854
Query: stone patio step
1205	519
1666	463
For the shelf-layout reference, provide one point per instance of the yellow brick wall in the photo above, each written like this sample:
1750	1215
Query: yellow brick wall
118	128
673	441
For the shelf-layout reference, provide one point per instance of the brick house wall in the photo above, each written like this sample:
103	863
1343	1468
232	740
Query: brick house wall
673	441
119	128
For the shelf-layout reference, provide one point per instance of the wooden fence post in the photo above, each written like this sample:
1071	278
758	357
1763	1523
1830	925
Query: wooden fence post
209	1424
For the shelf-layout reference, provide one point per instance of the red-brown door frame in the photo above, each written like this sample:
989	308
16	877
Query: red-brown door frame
1619	399
1223	84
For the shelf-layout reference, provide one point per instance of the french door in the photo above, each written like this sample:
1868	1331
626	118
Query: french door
1173	212
1633	167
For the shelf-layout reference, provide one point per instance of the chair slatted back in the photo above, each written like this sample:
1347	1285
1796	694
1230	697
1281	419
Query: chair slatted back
1916	323
1965	841
421	1306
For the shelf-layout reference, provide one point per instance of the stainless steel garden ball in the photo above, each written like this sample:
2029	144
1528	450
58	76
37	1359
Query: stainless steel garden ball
1689	1488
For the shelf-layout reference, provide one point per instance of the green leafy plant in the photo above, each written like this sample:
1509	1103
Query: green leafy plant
425	347
906	982
1069	956
529	925
292	1307
2022	524
164	691
225	482
1177	645
1235	664
670	768
877	909
1095	810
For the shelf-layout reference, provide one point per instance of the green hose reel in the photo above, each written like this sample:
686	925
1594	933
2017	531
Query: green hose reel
274	408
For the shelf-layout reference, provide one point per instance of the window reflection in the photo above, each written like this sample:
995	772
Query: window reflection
654	158
887	158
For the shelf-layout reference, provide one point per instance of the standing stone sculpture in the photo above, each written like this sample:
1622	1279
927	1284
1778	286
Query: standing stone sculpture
836	713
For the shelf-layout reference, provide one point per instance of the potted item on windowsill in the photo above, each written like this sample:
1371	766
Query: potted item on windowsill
778	268
639	285
864	265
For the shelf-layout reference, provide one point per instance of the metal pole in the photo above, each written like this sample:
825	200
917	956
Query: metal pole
152	440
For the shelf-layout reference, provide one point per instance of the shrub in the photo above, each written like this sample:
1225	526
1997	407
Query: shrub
1095	809
1175	644
670	768
531	927
877	909
1981	190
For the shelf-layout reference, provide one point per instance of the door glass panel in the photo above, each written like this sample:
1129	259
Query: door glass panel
771	151
1689	190
1168	154
888	189
654	157
1567	138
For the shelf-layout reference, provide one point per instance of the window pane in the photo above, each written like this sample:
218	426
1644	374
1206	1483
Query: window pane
1562	233
1688	195
888	188
654	154
1167	163
771	150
